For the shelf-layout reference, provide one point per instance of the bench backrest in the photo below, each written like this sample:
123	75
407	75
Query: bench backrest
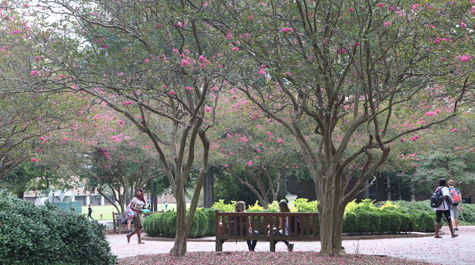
263	222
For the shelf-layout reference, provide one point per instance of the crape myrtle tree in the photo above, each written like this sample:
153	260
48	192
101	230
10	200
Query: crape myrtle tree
106	153
27	114
153	62
338	70
252	147
450	159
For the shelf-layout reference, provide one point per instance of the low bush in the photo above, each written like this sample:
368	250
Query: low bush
49	235
349	223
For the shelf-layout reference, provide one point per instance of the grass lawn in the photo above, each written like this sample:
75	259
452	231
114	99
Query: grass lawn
106	210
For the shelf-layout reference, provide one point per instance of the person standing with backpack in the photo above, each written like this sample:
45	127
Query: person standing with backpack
444	207
456	204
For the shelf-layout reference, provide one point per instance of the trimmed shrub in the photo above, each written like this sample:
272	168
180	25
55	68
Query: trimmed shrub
49	235
150	224
349	223
202	219
385	218
407	223
363	220
210	213
426	223
169	224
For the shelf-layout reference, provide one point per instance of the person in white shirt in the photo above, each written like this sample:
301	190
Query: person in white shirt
137	205
444	209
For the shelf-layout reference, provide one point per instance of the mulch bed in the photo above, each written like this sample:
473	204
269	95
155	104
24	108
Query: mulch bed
278	258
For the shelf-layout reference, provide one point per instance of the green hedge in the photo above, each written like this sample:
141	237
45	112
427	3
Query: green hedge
49	235
164	224
364	217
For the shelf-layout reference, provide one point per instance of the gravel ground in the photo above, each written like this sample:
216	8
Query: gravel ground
280	258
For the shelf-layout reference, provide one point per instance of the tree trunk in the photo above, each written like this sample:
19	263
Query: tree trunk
331	227
208	189
179	249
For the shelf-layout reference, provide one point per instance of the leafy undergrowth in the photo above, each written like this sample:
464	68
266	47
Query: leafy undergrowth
279	258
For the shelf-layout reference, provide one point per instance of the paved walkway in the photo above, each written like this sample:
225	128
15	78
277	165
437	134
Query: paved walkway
445	250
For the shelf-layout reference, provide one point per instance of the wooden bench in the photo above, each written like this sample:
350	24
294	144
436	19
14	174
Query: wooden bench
260	221
117	221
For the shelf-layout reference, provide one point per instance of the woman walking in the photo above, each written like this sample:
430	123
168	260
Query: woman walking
137	205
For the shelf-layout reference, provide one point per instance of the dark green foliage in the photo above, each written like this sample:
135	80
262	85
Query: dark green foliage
349	223
169	224
199	226
150	226
426	223
48	235
367	221
210	213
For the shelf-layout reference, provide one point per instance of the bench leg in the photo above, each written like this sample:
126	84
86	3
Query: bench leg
272	246
219	245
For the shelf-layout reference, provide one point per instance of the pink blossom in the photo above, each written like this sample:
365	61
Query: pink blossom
280	140
231	153
189	88
387	24
61	76
454	130
463	25
261	72
185	62
250	17
50	52
158	26
146	60
229	36
342	50
126	103
65	139
351	9
403	140
38	150
380	5
414	7
225	165
432	26
121	121
430	113
171	93
268	133
208	109
235	49
104	46
34	160
43	139
229	135
464	59
33	73
249	163
284	30
175	50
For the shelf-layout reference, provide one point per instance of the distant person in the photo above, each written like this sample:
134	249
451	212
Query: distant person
246	228
72	209
166	205
89	212
137	204
456	204
444	209
284	225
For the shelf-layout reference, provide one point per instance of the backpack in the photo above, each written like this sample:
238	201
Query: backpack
436	198
129	213
292	225
455	196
